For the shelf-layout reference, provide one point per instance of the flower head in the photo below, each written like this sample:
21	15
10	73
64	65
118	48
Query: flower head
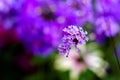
73	36
106	19
106	25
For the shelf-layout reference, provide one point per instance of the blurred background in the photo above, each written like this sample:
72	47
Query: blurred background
30	31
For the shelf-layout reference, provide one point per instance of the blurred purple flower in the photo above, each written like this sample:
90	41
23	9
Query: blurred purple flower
82	9
107	5
106	25
106	21
73	36
38	27
6	5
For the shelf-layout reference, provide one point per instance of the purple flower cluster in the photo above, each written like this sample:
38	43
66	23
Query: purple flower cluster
73	36
107	25
106	17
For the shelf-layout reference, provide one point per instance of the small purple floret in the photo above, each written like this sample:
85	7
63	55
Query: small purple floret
73	36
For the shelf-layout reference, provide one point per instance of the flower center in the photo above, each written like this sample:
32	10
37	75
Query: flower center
75	40
48	15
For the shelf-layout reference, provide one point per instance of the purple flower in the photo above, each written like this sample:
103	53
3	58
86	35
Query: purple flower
6	5
106	25
106	18
39	27
107	5
73	36
82	9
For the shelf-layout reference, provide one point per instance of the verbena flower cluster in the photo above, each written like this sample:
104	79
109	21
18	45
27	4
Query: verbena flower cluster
73	36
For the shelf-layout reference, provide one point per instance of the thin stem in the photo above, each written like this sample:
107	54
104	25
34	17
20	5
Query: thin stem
115	51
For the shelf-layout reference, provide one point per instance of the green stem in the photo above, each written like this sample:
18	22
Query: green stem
115	51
